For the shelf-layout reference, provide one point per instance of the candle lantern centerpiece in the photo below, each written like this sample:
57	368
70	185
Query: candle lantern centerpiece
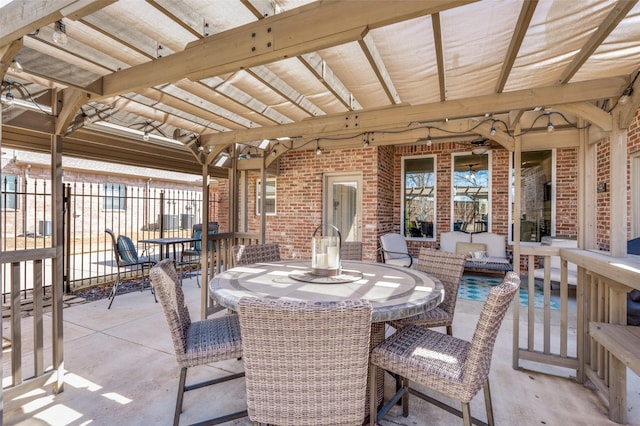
325	251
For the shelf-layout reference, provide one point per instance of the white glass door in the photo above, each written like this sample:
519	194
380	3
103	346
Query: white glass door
342	205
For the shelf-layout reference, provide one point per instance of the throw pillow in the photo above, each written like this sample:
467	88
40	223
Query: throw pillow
468	248
127	250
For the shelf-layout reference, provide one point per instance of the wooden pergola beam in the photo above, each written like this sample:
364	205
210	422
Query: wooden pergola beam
401	116
309	28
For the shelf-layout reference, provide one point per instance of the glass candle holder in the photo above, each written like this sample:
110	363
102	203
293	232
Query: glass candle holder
325	251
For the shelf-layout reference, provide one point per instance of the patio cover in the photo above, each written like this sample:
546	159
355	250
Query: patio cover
247	78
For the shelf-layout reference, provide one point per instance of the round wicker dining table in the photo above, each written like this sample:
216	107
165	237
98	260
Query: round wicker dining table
394	292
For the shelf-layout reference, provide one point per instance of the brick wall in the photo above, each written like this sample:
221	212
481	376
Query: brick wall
299	194
604	169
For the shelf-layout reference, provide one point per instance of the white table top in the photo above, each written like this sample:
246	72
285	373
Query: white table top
394	292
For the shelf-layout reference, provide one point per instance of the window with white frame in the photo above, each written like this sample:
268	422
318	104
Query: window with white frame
471	193
115	196
270	198
419	201
8	192
536	195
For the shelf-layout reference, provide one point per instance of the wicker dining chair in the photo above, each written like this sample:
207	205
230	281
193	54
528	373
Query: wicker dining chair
306	363
195	343
451	366
351	250
448	268
255	253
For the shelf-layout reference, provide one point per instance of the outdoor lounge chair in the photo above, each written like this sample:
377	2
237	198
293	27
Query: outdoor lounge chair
255	253
453	367
394	250
126	255
196	343
299	370
448	268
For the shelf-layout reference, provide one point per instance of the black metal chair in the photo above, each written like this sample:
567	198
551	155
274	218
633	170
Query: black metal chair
191	256
126	256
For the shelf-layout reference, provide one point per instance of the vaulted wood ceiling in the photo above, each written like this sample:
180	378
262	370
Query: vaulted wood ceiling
267	76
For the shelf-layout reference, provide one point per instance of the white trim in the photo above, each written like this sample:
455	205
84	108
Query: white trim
435	195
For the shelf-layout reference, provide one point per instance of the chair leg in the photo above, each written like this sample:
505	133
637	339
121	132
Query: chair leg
373	397
405	397
450	330
466	414
114	289
487	403
183	378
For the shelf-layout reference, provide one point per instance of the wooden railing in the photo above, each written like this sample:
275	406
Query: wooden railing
548	341
31	266
219	259
601	297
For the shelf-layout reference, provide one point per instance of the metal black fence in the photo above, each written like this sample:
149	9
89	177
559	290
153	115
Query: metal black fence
139	212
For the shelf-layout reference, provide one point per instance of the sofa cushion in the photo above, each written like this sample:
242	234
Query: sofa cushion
496	245
468	248
448	240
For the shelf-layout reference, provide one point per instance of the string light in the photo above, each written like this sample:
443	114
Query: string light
318	150
550	127
429	141
60	33
16	67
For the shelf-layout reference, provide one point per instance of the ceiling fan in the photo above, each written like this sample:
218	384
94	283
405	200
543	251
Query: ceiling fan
480	146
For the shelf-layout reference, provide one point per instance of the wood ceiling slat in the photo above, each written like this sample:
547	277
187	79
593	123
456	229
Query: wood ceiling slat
268	78
111	27
522	25
175	116
377	63
325	74
303	30
201	116
181	14
190	91
243	98
613	19
437	42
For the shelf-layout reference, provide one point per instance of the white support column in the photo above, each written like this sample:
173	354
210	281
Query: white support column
587	182
204	253
517	209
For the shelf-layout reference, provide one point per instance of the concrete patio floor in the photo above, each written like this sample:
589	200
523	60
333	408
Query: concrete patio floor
122	371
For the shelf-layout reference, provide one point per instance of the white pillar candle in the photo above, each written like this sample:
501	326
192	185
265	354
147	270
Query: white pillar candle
321	260
333	253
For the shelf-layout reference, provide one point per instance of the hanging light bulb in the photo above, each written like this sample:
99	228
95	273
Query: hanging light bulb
16	67
318	150
8	97
145	137
625	96
492	132
429	141
549	123
60	33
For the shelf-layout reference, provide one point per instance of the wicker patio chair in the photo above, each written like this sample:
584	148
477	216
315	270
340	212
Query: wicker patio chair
255	253
448	268
126	256
305	363
351	250
195	343
453	367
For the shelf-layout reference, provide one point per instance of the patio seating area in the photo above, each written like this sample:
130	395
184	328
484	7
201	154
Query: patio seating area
121	369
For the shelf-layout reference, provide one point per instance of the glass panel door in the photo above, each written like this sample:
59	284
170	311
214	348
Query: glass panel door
343	205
